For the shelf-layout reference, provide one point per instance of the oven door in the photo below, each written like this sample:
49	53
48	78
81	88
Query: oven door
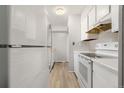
85	71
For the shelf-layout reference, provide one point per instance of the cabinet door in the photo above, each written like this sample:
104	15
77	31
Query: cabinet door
91	18
84	27
76	59
115	18
101	77
102	11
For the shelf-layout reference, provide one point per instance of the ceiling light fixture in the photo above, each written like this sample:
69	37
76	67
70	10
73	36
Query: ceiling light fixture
60	11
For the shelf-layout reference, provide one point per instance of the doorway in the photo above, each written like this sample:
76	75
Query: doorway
60	47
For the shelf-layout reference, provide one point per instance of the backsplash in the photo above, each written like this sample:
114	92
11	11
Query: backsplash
108	36
81	46
103	37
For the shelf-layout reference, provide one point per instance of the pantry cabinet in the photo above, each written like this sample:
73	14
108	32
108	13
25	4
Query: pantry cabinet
102	11
115	17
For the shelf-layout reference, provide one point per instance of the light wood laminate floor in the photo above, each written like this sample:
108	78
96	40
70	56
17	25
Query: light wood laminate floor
61	78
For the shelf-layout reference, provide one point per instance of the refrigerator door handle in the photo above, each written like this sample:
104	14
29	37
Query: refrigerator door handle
27	46
33	46
15	46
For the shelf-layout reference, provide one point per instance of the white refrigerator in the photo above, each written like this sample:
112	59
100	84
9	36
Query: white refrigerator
24	48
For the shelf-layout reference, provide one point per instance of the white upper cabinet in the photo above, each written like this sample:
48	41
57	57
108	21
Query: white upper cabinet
115	18
88	19
92	18
84	27
102	11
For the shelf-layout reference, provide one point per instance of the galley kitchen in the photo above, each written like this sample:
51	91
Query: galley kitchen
61	46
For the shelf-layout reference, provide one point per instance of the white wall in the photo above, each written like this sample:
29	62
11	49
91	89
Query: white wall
74	36
60	47
59	28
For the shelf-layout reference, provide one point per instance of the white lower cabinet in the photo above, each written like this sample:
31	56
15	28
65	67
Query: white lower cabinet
76	59
76	68
104	77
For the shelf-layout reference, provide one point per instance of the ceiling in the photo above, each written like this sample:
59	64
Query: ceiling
61	20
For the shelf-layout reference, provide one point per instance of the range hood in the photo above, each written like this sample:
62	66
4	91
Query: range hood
100	28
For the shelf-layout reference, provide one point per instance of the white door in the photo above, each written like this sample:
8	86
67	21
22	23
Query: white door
60	45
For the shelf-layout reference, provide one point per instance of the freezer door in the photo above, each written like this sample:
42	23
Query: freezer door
28	25
28	67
